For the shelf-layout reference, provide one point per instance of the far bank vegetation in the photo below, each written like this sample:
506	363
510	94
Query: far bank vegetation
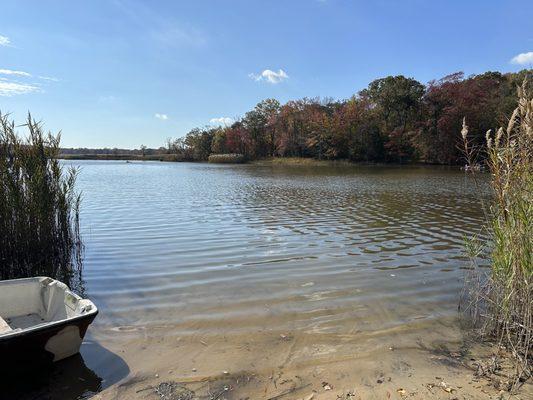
396	119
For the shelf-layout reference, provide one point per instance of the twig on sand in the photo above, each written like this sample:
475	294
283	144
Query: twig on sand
288	391
144	389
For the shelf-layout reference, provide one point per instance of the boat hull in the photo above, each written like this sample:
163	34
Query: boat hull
43	345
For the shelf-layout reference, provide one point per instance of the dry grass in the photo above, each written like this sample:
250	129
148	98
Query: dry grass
39	208
226	158
303	161
501	301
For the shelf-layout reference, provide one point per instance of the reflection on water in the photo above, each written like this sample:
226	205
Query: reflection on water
359	253
72	378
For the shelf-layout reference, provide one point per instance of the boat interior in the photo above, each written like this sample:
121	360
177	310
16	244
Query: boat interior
33	302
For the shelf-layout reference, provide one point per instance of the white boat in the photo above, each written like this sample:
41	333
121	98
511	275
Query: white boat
41	320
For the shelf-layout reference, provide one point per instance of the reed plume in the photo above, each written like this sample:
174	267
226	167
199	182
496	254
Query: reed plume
501	303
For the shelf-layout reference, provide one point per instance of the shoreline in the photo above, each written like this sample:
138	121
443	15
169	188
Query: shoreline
122	157
271	161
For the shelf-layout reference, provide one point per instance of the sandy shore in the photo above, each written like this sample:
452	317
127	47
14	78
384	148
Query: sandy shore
289	365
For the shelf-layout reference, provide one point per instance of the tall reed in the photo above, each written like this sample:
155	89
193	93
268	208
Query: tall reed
39	207
502	302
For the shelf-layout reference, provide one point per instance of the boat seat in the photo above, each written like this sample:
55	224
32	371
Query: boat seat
4	327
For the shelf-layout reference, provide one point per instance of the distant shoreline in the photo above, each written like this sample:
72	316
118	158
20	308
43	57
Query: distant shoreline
273	161
124	157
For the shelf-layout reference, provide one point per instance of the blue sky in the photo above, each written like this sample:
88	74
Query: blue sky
126	73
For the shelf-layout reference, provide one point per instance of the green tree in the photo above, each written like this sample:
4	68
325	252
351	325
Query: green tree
199	141
397	101
261	124
218	145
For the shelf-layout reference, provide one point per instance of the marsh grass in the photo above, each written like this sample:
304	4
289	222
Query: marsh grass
39	207
306	162
226	158
500	300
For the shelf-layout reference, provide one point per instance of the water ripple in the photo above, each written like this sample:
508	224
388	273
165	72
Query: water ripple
212	248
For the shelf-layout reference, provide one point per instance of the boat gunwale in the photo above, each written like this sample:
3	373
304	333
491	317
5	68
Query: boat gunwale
47	325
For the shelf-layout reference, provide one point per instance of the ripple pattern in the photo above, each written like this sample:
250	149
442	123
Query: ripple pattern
207	248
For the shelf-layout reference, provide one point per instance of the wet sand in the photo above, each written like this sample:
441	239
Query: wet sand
291	365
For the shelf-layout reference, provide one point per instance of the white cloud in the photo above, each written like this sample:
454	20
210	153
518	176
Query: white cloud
523	58
9	88
163	117
12	72
270	76
4	41
226	121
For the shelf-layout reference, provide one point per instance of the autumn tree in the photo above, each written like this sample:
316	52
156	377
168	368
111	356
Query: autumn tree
483	100
239	140
395	119
359	131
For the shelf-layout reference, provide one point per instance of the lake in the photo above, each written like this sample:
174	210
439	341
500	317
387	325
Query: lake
199	268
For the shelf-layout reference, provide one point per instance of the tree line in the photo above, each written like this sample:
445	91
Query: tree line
394	119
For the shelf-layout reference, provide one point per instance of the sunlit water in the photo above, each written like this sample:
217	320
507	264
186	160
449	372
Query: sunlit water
244	248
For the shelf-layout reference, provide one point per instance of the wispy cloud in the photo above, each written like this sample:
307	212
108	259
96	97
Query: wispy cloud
270	76
163	117
17	82
161	28
222	121
12	72
49	78
107	99
176	37
523	58
10	88
4	41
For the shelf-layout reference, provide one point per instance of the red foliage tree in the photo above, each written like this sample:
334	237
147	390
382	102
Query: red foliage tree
238	140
